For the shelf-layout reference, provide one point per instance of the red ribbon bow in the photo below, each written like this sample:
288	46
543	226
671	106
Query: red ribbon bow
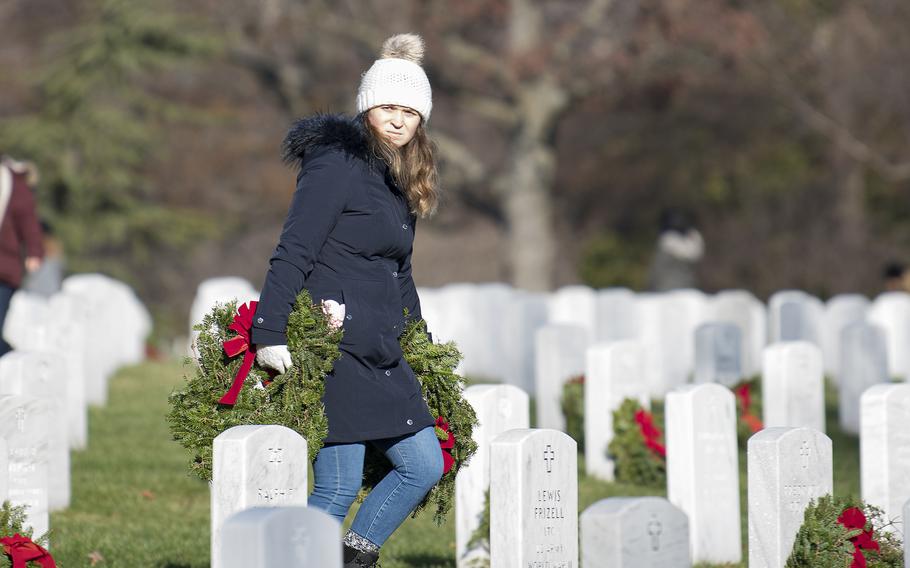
446	445
649	432
242	324
853	519
21	550
745	400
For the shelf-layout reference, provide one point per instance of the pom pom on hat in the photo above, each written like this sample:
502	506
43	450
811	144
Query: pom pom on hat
397	78
403	46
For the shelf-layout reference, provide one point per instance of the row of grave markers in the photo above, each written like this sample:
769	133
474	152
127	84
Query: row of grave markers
497	327
726	345
65	350
532	478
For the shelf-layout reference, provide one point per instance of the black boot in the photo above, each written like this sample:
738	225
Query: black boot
354	558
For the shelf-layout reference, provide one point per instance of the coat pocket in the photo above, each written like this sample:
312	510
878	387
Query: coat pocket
369	331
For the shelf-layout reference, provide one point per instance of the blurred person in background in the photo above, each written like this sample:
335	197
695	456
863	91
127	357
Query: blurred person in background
894	277
679	248
347	239
48	278
21	247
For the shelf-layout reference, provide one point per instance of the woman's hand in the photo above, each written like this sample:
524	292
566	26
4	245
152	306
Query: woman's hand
275	357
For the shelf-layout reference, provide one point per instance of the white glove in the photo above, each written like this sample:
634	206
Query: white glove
274	357
335	313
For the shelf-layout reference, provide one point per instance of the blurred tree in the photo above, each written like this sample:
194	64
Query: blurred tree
94	124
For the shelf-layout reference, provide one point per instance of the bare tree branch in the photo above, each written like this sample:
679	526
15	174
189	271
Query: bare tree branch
825	125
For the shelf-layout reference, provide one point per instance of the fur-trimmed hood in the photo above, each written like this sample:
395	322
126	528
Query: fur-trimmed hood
335	131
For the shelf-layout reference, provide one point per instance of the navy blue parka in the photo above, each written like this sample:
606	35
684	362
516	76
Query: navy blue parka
348	237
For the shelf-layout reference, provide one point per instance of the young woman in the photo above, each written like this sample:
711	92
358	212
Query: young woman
348	239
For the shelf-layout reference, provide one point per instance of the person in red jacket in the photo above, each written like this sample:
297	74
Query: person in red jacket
20	232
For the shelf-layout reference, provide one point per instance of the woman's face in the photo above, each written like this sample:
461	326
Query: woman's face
397	124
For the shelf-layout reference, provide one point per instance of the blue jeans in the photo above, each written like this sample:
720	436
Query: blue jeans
338	471
6	294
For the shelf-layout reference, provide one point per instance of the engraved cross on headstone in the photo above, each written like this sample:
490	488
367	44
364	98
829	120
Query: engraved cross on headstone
20	419
548	456
275	455
654	530
805	452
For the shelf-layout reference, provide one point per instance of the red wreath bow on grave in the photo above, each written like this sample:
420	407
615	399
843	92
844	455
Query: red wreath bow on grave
745	399
21	550
446	445
853	519
242	324
649	432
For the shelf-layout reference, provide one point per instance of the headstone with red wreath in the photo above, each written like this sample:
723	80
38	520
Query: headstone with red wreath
24	425
499	408
613	372
43	375
788	468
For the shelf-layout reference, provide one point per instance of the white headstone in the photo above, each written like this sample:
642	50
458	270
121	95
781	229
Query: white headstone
574	305
864	363
885	447
891	311
617	315
218	291
840	311
718	353
263	537
788	467
82	311
492	304
533	499
795	316
498	408
749	314
23	424
634	532
4	470
26	311
703	469
793	386
668	322
255	466
906	534
614	372
525	313
67	338
42	375
559	355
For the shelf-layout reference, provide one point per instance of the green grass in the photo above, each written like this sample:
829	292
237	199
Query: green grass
135	504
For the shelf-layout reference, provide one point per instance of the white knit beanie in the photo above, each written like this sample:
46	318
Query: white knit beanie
397	78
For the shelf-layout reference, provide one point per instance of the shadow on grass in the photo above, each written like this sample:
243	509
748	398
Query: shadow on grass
420	560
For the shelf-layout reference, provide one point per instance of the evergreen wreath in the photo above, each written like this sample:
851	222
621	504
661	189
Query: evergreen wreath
572	402
636	462
12	522
294	399
845	532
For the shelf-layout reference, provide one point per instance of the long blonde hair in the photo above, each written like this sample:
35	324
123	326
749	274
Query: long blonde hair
413	167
